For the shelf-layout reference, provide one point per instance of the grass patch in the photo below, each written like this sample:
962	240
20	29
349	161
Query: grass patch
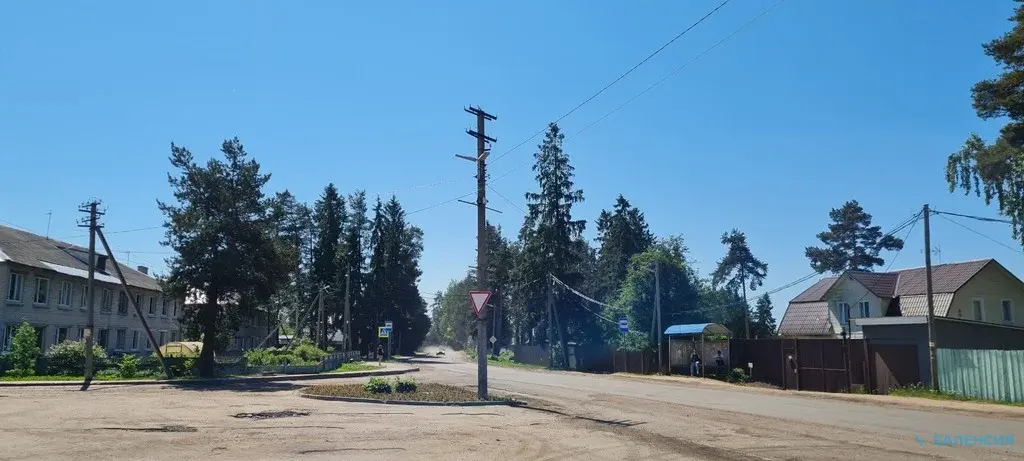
98	377
355	366
514	364
425	392
927	393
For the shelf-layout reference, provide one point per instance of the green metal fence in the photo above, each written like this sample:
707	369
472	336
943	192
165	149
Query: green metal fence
983	374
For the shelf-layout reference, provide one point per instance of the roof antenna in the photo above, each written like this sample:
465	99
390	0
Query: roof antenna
49	215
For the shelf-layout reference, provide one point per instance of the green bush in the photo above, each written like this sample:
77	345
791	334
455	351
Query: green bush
404	386
307	353
68	358
377	386
128	368
262	357
506	356
738	375
24	351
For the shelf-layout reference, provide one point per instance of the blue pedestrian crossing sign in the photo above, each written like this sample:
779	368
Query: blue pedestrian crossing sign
383	332
623	325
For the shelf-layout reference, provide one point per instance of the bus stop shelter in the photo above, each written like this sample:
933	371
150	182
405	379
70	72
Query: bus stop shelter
692	331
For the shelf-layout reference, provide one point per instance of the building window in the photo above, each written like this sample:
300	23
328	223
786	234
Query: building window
84	303
979	309
107	302
64	295
238	342
174	336
119	340
122	303
865	309
14	289
844	312
135	340
102	338
163	309
40	337
1007	311
81	334
138	301
175	306
152	305
42	291
60	335
163	335
9	332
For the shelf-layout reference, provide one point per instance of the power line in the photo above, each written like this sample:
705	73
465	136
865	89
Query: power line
979	218
680	68
506	199
980	234
602	90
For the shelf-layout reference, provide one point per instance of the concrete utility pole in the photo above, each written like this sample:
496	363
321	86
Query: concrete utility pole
551	324
657	308
321	326
348	321
481	239
933	360
90	321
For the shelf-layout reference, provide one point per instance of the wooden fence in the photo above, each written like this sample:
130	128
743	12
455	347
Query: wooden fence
982	373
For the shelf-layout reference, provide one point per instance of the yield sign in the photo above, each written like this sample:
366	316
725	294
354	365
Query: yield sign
479	299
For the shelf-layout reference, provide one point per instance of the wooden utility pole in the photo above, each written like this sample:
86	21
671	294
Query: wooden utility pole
933	360
746	306
321	325
348	315
481	239
551	324
131	299
90	321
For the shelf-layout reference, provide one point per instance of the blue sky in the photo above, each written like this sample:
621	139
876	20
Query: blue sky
815	104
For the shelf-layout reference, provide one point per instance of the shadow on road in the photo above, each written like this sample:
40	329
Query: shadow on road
272	386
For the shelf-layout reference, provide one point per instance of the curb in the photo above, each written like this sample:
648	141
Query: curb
408	402
253	379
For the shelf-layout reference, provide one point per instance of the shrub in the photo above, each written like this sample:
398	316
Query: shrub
506	356
129	366
24	351
404	386
261	357
377	386
68	358
738	375
307	353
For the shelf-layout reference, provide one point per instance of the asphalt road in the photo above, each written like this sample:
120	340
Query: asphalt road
731	423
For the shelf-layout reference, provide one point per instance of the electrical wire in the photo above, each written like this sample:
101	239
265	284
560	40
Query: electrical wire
979	218
581	295
980	234
506	199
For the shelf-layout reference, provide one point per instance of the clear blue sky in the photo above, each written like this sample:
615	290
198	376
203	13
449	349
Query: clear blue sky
817	103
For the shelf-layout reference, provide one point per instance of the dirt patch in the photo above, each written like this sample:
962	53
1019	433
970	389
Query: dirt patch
169	428
271	414
425	392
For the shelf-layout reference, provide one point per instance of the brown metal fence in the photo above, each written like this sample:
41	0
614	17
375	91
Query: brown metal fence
823	365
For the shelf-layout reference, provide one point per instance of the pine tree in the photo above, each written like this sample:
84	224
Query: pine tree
737	268
222	231
851	242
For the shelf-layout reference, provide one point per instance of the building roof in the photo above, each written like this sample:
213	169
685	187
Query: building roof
28	249
946	278
806	319
917	305
697	329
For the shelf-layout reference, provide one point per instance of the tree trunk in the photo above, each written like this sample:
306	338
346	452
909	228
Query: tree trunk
211	309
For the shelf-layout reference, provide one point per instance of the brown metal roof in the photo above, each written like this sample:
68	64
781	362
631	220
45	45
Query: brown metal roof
881	284
28	249
806	319
816	292
917	305
946	278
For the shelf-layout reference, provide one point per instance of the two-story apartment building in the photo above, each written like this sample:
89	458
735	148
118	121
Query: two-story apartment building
43	282
978	291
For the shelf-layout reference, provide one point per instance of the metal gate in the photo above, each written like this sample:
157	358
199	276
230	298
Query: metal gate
894	367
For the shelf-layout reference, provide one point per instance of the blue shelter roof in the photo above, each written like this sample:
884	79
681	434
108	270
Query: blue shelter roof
697	329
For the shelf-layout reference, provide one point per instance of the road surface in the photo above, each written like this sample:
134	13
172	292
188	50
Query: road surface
730	423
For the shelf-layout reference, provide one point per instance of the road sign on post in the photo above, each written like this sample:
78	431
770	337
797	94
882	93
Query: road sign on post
623	325
383	332
388	324
479	300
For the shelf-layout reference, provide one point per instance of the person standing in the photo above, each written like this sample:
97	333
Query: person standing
380	353
694	362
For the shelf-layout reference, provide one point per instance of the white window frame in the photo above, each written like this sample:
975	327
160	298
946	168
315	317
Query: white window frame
16	285
64	294
135	340
865	309
844	311
84	302
107	301
40	281
1004	309
974	312
56	334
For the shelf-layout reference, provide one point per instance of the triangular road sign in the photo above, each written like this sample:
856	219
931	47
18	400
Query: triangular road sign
479	300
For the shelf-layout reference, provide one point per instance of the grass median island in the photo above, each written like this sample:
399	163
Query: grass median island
388	391
355	366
